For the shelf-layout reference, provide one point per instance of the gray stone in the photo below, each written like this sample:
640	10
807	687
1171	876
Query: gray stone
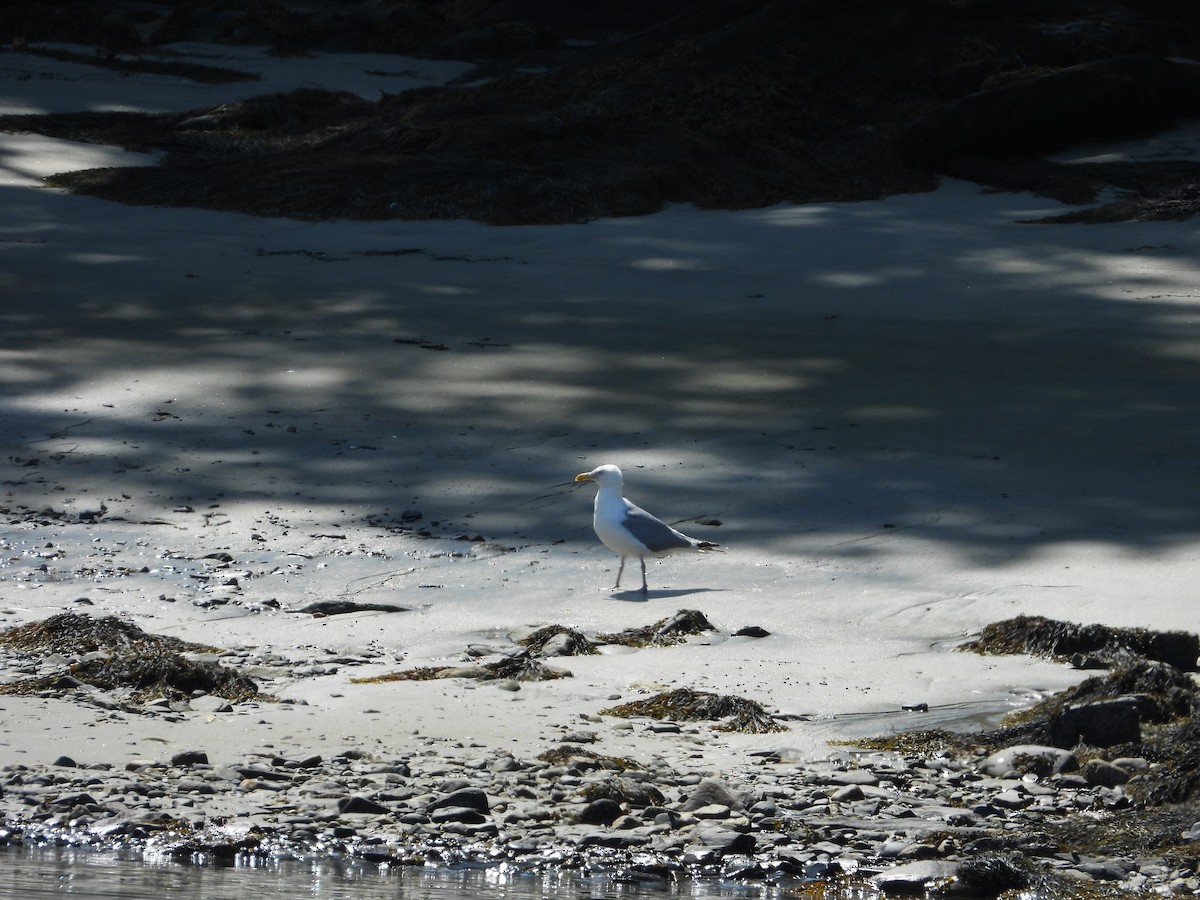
914	877
1105	774
1103	870
713	790
1034	758
1101	724
1011	800
464	814
854	776
724	840
352	805
189	758
468	797
602	811
712	811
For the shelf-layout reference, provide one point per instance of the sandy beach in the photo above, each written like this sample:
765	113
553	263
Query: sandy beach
903	420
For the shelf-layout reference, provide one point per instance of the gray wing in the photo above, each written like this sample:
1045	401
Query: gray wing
657	536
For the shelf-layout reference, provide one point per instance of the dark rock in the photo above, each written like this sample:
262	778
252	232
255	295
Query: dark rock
1042	636
1104	870
345	607
848	793
66	762
754	631
1104	774
503	40
1101	724
469	798
1111	98
724	840
356	804
463	814
189	758
989	874
621	840
913	877
600	812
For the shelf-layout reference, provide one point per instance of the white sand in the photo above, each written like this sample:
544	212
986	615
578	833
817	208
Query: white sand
912	418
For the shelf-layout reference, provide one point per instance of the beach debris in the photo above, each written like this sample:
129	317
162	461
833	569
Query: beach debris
76	633
671	630
687	705
1038	636
519	666
111	654
345	607
558	640
1033	759
148	677
625	791
583	760
754	631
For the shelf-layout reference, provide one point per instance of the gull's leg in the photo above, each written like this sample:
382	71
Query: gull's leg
644	587
619	571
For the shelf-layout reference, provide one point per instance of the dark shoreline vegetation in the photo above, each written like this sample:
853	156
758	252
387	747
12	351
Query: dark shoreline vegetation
1099	783
620	109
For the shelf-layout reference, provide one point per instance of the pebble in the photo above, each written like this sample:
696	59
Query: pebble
900	823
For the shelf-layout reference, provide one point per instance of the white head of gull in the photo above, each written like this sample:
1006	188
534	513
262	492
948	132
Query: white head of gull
629	530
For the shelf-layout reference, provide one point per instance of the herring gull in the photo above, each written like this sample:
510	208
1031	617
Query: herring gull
629	530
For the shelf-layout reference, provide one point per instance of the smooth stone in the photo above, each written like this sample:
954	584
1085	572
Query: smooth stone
461	814
1011	800
713	790
1104	774
364	805
848	793
189	758
855	776
724	840
469	797
914	876
712	811
603	811
209	703
1103	870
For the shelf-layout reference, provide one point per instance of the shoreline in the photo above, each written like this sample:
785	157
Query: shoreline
892	821
910	418
974	812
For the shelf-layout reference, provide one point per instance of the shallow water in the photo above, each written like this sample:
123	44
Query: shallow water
92	874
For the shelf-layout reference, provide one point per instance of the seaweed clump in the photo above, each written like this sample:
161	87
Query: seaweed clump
578	758
1063	640
671	630
625	791
73	633
171	676
517	666
686	705
571	642
120	655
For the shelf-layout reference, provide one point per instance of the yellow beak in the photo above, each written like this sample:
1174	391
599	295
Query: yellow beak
584	476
